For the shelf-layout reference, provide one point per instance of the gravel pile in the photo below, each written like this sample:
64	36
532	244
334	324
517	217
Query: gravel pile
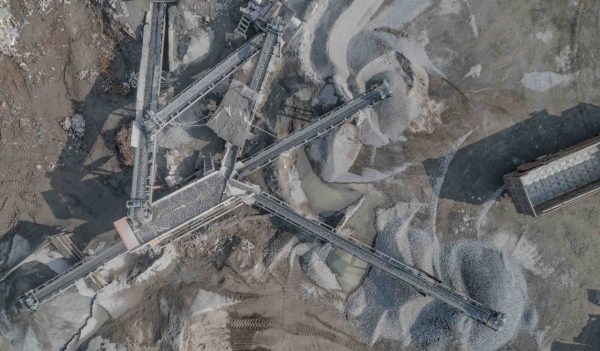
492	277
395	312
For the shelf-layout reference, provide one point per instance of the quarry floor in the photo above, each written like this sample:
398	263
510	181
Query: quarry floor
501	84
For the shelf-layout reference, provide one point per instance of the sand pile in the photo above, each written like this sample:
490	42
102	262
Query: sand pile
314	266
196	45
348	24
359	43
190	32
12	250
491	276
50	327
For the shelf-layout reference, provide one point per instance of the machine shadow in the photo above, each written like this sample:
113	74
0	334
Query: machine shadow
90	189
475	172
589	338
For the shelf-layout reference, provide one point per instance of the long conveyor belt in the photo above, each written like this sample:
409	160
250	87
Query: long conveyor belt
416	278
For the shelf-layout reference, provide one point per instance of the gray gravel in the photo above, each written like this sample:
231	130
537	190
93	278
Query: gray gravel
397	314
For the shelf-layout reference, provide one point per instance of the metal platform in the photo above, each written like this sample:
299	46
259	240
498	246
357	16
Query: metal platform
204	200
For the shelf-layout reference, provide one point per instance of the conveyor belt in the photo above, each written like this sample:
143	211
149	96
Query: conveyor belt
323	125
416	278
264	59
203	85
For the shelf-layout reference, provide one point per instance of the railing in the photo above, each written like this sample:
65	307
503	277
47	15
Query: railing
160	11
359	243
149	192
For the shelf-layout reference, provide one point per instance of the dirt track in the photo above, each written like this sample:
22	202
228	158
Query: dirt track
66	64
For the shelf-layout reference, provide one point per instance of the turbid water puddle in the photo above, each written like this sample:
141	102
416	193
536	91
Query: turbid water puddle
327	198
323	197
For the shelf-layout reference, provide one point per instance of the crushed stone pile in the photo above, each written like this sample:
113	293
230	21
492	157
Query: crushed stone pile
397	313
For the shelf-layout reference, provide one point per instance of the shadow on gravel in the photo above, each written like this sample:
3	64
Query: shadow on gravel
589	338
16	246
89	185
476	170
20	241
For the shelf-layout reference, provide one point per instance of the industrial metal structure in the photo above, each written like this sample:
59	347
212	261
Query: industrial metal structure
61	243
265	15
65	280
420	280
157	121
149	79
149	122
556	180
321	126
215	194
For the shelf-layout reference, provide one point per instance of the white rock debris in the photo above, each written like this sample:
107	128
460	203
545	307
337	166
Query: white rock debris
544	81
9	34
74	125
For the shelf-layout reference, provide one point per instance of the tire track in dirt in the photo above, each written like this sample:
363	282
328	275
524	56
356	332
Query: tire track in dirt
243	330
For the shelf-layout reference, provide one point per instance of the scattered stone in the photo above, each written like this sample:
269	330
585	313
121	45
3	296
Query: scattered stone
74	125
174	159
125	152
43	5
132	80
24	122
8	32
